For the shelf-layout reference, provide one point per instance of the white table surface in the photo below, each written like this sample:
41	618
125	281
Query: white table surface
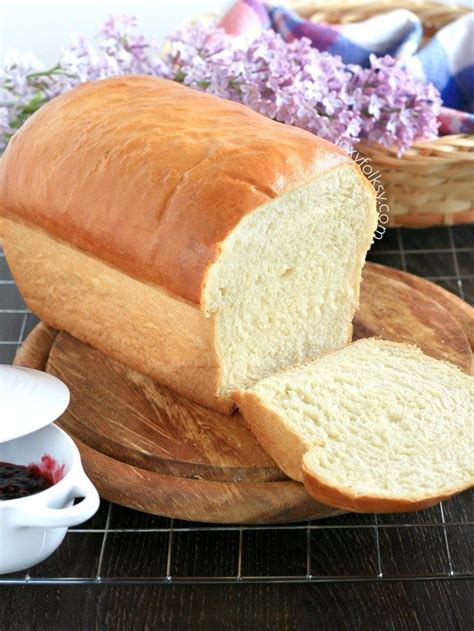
44	26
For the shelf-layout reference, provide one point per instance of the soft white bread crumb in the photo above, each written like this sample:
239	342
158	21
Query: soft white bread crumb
375	427
286	285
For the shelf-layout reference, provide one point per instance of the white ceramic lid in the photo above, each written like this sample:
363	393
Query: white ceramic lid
29	400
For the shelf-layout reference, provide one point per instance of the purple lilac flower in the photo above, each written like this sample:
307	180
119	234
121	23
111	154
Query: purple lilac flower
296	84
18	96
290	82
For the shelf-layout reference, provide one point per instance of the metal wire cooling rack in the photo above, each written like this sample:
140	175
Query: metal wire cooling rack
122	546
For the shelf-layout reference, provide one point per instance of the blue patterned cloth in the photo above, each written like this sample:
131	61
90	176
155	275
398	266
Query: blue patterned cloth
447	60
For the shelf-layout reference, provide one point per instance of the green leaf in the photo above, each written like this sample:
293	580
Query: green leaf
28	109
45	73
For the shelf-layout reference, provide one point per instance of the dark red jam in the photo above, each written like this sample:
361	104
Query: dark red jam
18	480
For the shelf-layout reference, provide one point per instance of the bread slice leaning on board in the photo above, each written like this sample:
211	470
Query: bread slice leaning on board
184	235
375	427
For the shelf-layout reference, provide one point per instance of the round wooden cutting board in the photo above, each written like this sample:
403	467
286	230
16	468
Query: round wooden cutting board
150	449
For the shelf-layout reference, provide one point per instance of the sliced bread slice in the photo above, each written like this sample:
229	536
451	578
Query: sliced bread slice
375	427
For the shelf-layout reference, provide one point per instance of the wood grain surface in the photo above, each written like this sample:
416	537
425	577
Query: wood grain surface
396	606
34	352
147	448
199	500
141	423
395	311
458	308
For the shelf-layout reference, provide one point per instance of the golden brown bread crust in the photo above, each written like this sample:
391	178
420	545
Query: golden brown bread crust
133	322
279	441
150	176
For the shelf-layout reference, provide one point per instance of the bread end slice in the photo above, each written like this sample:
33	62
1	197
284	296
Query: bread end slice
375	427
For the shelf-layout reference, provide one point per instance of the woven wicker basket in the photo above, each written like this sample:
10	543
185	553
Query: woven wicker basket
433	183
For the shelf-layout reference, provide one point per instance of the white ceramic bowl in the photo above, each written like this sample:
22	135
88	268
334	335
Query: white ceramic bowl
31	528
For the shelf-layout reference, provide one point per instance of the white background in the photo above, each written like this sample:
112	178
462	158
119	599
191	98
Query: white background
44	26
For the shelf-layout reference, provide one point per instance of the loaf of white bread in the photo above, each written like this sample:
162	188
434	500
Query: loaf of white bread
184	235
375	427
